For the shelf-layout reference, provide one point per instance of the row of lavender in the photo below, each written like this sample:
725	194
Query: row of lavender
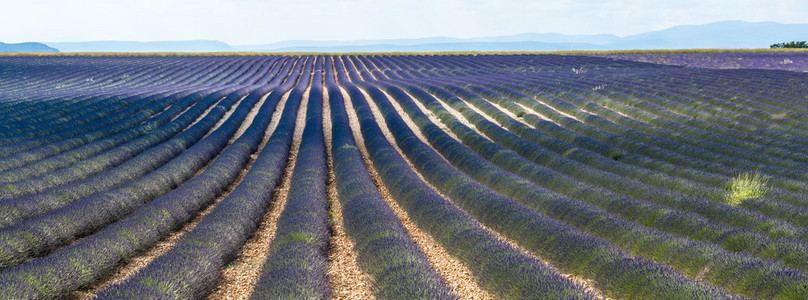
787	61
749	240
616	172
85	195
653	245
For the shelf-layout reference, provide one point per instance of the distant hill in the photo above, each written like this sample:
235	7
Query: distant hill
26	47
129	46
726	35
520	41
434	47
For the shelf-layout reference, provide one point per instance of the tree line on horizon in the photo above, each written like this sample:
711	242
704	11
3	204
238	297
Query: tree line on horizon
792	44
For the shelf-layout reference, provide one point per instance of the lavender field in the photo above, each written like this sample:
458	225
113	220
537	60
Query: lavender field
404	177
788	61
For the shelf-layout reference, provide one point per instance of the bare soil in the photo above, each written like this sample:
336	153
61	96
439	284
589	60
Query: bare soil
135	264
346	279
585	283
240	276
457	275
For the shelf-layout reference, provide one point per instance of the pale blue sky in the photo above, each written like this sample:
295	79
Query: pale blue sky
239	22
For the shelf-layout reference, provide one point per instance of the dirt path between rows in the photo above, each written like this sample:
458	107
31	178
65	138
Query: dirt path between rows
457	275
587	284
240	276
346	279
136	263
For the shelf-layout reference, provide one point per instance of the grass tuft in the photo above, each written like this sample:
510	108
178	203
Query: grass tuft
746	186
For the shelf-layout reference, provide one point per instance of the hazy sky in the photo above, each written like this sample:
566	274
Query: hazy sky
239	22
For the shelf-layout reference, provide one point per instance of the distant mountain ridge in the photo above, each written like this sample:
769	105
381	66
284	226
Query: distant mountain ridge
130	46
726	35
436	47
548	39
26	47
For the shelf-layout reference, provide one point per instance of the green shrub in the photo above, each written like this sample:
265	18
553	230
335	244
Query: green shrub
792	44
746	186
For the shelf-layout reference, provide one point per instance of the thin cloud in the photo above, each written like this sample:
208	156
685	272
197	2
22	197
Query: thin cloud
254	22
